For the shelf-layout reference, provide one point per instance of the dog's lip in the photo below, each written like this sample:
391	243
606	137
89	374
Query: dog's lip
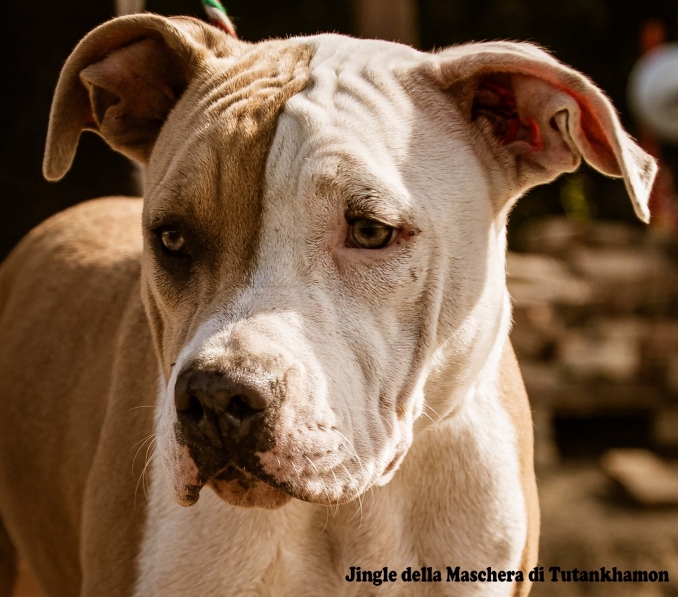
262	478
242	488
188	495
193	492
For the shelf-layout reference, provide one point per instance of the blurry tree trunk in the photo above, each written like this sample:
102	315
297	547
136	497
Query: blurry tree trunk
36	39
128	7
394	20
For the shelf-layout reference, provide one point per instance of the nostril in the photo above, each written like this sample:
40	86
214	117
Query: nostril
191	409
240	408
204	399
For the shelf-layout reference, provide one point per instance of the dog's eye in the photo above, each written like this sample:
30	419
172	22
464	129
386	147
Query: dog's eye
369	234
173	241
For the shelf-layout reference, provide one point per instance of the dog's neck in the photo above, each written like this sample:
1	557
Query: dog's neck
454	377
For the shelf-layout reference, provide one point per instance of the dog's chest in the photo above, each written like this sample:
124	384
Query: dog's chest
305	550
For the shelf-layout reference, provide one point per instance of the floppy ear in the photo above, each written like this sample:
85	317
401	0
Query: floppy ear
122	80
538	117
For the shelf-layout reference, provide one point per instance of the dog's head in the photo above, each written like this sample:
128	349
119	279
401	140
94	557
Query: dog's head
324	228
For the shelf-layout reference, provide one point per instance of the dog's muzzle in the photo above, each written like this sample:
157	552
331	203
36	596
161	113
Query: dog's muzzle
213	406
225	418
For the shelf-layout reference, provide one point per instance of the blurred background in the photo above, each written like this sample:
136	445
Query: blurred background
595	292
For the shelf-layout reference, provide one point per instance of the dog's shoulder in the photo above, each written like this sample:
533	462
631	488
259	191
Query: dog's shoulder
516	403
98	233
87	232
80	262
69	297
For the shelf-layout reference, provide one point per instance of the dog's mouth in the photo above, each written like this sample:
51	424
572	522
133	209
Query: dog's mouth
236	487
255	488
240	488
322	470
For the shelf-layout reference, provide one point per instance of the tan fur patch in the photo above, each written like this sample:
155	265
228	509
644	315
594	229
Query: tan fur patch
223	127
516	403
59	397
76	405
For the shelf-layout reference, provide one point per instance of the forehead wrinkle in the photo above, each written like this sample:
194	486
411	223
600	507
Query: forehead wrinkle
217	148
343	118
226	89
357	88
365	195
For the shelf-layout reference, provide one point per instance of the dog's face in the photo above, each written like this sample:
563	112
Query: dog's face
324	233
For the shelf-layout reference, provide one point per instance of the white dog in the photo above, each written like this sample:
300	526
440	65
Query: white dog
312	296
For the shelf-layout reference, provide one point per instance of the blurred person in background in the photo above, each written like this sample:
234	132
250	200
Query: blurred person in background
653	96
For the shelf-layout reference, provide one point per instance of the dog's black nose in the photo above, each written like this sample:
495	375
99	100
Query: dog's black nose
214	405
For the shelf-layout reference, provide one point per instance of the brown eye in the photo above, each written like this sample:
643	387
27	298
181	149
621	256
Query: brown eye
369	234
173	241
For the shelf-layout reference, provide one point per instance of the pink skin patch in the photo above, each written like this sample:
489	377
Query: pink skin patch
186	478
241	489
246	491
187	471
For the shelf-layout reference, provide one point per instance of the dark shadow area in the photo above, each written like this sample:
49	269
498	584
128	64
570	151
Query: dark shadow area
36	39
598	37
584	437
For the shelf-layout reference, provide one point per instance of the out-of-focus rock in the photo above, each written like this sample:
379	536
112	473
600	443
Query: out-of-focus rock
536	330
643	475
551	235
541	379
613	358
660	352
536	279
25	585
622	328
596	323
546	454
672	373
586	526
665	427
628	280
619	265
613	234
557	235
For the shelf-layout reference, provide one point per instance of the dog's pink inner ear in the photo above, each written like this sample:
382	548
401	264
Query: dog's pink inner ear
538	118
131	92
546	126
495	102
596	146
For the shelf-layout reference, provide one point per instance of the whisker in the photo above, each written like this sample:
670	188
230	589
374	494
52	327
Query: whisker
359	509
434	412
136	489
337	504
151	437
141	441
315	468
327	518
320	477
355	453
427	416
145	481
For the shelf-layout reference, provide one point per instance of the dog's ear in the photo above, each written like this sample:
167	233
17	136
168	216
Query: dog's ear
122	80
538	117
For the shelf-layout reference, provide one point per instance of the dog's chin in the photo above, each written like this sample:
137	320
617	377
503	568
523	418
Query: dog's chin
246	491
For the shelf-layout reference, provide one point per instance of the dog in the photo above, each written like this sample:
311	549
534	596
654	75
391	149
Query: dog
302	330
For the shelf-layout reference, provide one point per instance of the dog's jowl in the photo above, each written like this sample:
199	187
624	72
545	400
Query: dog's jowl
301	329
